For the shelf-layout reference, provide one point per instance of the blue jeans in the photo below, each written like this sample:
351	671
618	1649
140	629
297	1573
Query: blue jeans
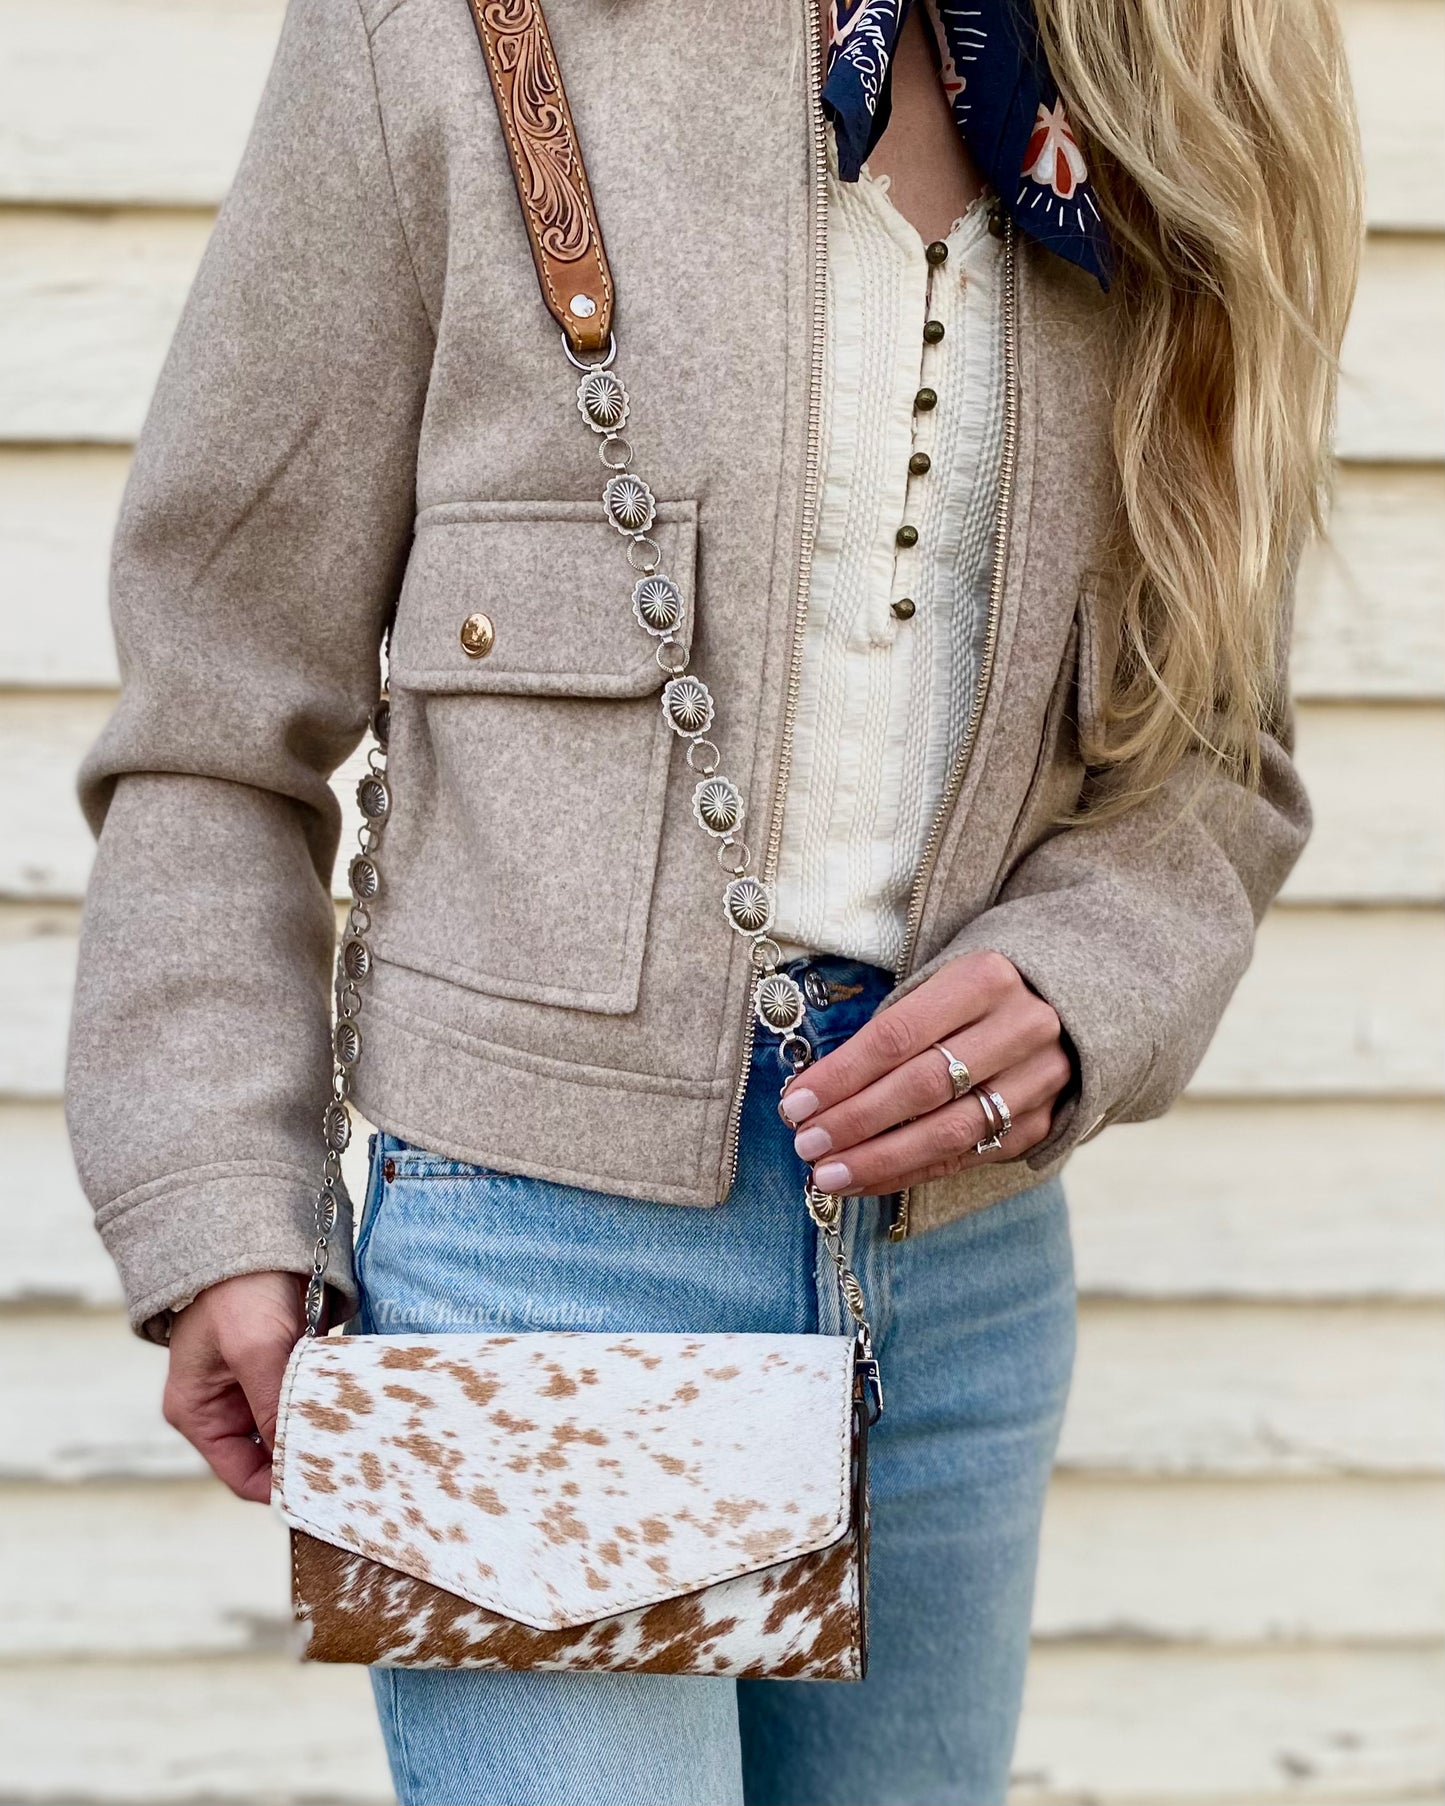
974	1325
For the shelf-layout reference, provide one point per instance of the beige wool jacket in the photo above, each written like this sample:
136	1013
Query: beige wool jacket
366	416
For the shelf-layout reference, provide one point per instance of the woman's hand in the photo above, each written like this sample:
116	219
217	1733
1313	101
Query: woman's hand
878	1114
228	1353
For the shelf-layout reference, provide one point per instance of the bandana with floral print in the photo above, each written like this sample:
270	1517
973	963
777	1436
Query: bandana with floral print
1004	102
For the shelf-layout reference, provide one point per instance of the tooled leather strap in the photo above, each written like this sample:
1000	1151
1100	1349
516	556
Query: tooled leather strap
547	165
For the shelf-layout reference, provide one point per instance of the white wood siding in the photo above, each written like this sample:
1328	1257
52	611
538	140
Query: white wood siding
1242	1593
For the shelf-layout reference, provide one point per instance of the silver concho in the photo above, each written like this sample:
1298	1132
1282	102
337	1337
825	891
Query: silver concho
687	704
778	1003
372	797
748	905
602	401
718	805
657	603
336	1127
630	504
346	1041
356	959
365	878
327	1211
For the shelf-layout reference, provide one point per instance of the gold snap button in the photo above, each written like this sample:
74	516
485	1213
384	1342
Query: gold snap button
904	609
478	636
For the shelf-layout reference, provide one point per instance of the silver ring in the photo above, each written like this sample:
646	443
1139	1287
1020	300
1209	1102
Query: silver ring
958	1073
598	363
992	1121
1006	1121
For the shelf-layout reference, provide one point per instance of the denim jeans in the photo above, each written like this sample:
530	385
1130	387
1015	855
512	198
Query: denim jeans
974	1325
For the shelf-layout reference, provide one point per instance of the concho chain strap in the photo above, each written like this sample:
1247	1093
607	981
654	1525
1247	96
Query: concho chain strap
718	807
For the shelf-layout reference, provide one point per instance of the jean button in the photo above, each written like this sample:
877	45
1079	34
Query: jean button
815	989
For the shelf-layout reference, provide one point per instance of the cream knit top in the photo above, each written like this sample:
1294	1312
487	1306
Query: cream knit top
894	632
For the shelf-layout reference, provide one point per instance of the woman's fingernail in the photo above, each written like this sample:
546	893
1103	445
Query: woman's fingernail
799	1104
832	1176
809	1143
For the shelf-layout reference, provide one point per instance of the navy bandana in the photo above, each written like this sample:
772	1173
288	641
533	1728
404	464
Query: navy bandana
1004	102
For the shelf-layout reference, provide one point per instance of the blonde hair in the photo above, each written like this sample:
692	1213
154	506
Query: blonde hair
1222	142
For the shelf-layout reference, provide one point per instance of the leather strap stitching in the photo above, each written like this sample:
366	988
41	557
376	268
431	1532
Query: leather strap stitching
526	24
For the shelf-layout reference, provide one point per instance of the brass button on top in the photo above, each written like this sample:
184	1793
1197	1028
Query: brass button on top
478	636
904	609
906	536
925	399
920	464
937	253
932	331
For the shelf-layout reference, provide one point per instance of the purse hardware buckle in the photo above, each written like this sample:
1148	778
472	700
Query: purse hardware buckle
868	1383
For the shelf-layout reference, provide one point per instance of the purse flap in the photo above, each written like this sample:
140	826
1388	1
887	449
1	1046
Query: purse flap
566	1476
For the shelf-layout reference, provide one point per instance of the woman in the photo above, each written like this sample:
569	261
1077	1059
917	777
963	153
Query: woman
983	470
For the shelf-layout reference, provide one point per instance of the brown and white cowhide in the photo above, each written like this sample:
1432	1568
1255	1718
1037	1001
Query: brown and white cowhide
668	1503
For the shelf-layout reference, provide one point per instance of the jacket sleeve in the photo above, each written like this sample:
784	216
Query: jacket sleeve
256	563
1138	928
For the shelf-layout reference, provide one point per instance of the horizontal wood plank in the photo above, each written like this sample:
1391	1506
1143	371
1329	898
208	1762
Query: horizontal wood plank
1172	1389
1103	1726
1369	621
260	1732
1338	1003
52	1253
1370	624
37	974
1392	388
57	512
91	301
1354	1561
1243	1389
1373	773
183	1568
1396	49
151	102
1149	1727
1265	1200
1259	1201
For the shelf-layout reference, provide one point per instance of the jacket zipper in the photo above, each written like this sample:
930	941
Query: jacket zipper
1003	521
817	199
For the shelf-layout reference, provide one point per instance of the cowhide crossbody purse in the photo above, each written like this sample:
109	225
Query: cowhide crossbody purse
684	1504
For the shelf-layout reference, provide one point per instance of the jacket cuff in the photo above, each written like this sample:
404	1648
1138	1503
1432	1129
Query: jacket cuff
172	1238
1111	1048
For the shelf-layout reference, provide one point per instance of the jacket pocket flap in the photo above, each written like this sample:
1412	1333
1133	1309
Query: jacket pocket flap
566	1476
553	580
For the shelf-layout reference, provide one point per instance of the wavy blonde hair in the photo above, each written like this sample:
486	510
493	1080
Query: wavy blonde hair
1222	142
